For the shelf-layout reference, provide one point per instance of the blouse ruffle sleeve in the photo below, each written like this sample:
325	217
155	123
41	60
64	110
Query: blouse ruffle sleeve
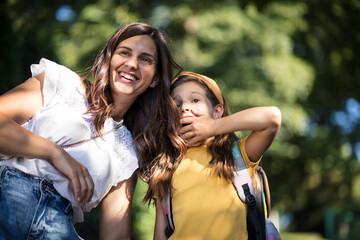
60	83
51	71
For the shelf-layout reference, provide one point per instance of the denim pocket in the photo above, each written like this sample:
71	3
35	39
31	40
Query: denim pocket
62	204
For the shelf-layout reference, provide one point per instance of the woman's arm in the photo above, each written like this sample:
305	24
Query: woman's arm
160	223
263	121
115	216
18	106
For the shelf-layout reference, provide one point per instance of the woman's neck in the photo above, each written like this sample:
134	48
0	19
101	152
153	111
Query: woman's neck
120	110
122	103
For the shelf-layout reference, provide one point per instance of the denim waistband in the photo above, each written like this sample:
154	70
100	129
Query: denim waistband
46	184
4	168
30	177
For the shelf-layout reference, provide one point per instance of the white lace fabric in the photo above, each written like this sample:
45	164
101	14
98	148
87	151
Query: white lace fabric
62	119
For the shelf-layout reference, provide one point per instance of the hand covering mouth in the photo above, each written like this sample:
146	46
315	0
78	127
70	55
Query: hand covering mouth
187	116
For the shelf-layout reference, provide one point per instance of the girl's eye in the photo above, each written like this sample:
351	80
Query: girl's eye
195	100
178	105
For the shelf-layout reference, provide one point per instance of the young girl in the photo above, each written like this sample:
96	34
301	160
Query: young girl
205	204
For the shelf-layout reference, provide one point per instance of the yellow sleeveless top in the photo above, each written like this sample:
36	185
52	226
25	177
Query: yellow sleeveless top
206	206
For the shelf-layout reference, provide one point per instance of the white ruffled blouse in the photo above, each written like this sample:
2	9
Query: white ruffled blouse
62	119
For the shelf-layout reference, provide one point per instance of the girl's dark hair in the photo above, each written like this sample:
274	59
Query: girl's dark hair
221	147
152	119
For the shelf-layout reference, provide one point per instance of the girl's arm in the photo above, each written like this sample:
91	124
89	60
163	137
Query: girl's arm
115	216
263	121
160	223
18	106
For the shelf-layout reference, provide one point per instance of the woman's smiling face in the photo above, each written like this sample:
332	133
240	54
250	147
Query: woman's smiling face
133	66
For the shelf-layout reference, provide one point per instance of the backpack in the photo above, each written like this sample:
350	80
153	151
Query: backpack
259	227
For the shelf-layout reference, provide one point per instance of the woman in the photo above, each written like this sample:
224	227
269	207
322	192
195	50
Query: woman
65	148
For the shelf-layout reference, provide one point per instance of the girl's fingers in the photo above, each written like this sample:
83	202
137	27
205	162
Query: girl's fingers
184	129
187	128
187	135
191	141
185	121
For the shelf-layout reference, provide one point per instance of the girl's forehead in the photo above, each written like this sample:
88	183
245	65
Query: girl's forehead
187	88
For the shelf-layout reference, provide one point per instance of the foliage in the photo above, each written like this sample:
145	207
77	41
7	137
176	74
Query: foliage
143	215
301	56
87	36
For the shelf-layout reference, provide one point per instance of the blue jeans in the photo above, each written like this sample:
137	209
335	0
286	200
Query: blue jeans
30	208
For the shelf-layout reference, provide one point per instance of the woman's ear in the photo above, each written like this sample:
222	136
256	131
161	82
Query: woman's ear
218	111
154	82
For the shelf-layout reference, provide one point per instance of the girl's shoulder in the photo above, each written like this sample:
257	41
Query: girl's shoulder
249	164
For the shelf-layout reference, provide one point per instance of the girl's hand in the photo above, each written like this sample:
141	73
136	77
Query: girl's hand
197	129
77	173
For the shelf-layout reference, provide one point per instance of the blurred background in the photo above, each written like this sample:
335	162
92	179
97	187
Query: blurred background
302	56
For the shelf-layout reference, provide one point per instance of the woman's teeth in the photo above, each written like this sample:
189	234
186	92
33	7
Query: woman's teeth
128	76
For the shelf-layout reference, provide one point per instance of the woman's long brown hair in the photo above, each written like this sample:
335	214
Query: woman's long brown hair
152	119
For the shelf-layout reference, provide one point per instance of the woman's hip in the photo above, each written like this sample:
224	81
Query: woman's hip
31	208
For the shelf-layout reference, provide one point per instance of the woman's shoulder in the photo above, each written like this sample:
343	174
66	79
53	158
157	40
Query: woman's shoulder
59	81
50	68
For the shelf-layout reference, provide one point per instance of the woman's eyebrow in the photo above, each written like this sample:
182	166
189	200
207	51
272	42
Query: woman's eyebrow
124	47
144	53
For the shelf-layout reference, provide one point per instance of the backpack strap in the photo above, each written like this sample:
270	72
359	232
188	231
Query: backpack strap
253	216
266	191
246	192
241	174
167	208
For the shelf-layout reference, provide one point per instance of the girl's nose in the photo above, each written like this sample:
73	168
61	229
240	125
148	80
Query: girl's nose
185	108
